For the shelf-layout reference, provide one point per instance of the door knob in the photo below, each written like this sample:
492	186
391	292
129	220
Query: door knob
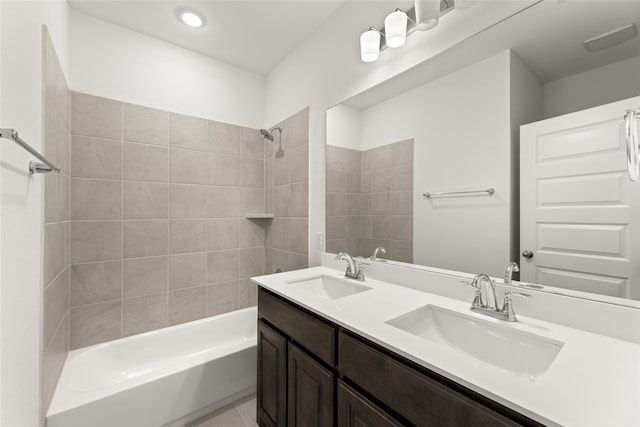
527	254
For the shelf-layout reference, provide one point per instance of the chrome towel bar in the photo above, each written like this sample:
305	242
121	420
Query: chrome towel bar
34	167
447	193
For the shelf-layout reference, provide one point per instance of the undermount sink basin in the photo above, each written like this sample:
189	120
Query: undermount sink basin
328	288
502	346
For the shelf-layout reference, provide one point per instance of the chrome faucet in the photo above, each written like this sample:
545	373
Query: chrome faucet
511	268
490	306
351	267
379	250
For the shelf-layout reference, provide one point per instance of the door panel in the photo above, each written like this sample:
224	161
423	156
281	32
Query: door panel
272	371
577	204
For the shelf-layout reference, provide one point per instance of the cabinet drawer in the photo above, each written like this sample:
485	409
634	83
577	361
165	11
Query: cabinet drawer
416	397
310	332
355	410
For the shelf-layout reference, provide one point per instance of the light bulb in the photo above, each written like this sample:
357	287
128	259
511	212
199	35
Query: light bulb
395	28
192	19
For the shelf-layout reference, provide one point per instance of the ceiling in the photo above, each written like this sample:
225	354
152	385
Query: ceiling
254	35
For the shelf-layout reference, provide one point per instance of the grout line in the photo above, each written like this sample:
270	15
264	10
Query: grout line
122	226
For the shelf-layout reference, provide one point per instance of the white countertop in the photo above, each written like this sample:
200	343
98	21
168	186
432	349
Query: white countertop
593	381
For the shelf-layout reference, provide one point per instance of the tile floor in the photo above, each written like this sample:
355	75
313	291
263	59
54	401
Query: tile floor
239	414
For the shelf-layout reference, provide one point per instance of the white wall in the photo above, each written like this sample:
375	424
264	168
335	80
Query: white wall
111	61
326	69
344	127
460	127
21	201
586	90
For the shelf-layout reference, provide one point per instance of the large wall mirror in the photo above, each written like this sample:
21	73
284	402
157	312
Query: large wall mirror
452	125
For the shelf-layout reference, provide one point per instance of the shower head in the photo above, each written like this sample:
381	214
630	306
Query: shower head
268	134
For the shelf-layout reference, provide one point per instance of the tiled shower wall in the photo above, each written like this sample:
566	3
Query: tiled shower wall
370	200
287	195
158	230
55	317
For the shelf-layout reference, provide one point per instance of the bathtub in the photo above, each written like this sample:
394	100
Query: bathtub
166	377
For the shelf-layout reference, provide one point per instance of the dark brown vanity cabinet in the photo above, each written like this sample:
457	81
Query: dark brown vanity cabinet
314	373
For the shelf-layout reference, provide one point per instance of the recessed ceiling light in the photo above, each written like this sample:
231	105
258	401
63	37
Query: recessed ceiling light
191	18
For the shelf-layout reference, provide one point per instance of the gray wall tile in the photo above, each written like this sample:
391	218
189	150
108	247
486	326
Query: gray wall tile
300	164
403	177
336	157
251	201
297	261
276	259
187	305
298	235
188	132
299	205
247	293
252	143
281	198
146	238
336	227
56	250
142	276
95	282
223	169
96	199
188	235
96	241
383	157
402	227
251	233
402	202
55	305
251	172
402	152
222	266
222	233
143	314
251	262
223	137
187	167
96	157
187	270
95	116
187	201
222	202
145	200
143	162
57	191
222	298
143	124
95	323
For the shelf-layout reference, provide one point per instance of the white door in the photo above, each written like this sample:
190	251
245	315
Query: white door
579	211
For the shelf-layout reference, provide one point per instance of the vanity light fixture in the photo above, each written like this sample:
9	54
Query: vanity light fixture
427	14
395	25
370	45
399	24
191	18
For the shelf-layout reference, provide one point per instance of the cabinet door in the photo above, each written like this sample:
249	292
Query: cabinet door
272	379
354	410
310	391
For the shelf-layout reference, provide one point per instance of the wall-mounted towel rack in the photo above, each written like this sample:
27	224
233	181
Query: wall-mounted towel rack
489	191
34	167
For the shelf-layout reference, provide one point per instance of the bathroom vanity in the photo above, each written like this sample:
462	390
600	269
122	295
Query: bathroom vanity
336	351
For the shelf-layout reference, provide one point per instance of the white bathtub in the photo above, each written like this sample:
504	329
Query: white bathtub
161	378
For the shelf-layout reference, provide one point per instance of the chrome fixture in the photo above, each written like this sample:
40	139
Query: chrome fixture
633	145
379	250
34	167
351	267
490	307
268	134
511	268
399	24
429	195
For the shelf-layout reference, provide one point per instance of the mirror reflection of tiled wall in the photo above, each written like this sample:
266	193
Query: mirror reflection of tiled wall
370	200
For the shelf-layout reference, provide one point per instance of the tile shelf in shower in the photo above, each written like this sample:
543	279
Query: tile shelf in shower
259	215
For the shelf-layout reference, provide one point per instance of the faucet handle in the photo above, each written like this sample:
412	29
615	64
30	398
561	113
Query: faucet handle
361	270
507	307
